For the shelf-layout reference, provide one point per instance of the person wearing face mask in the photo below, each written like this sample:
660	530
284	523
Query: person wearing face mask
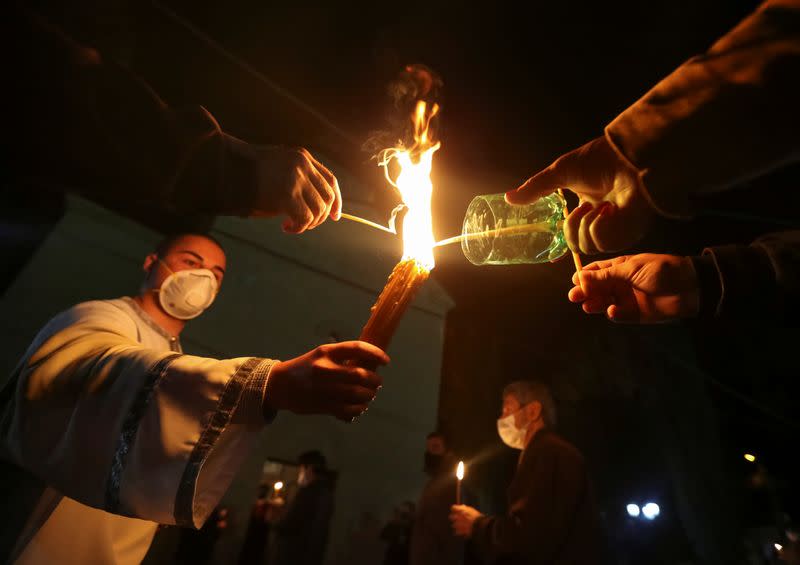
108	429
301	531
552	517
432	540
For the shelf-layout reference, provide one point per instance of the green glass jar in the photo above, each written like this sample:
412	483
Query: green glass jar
498	233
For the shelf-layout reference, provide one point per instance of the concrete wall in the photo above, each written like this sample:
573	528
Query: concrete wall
282	296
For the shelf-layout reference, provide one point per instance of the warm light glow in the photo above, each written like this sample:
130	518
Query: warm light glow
460	470
778	547
633	510
278	486
415	187
651	510
750	457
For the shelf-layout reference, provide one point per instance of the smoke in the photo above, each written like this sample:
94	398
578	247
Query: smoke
414	83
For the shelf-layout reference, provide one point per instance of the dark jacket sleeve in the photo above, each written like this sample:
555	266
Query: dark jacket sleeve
84	123
722	117
539	521
759	281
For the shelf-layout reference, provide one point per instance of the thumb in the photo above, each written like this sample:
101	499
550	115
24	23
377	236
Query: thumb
623	313
596	284
541	183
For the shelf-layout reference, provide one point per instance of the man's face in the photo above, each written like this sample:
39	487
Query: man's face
188	252
511	406
523	415
435	445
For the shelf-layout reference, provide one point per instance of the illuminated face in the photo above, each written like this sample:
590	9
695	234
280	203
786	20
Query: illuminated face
523	414
188	252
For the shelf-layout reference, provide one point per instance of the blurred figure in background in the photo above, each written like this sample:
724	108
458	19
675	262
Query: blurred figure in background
301	527
397	534
432	538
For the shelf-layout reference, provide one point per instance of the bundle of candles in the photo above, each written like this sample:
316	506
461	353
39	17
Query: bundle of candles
415	188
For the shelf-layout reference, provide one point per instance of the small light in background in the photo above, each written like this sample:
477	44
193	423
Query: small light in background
778	547
750	457
651	510
633	510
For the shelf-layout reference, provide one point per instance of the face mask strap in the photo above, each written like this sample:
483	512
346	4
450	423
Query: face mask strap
160	260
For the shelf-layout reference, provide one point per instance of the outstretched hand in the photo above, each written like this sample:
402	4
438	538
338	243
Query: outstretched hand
330	379
614	213
645	288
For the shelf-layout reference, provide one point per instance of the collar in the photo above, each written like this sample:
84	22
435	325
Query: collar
149	321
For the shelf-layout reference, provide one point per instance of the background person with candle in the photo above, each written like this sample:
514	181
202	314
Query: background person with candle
432	539
108	425
301	528
552	516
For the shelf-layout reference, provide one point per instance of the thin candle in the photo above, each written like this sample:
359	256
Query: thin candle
460	477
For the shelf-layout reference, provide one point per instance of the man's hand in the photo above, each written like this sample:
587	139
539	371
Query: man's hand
291	182
322	381
644	288
613	214
463	519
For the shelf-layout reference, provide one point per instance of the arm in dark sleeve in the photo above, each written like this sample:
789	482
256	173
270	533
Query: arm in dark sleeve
539	522
760	281
84	123
722	117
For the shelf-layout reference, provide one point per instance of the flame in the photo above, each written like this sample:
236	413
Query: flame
460	470
278	486
415	187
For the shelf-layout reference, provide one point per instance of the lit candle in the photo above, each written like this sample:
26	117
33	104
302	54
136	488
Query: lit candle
276	489
415	188
459	476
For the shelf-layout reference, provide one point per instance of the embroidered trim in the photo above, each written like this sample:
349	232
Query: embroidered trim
128	433
173	340
228	401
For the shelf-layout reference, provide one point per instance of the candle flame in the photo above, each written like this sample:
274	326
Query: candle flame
460	470
278	486
415	186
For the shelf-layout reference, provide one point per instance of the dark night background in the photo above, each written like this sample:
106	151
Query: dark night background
523	83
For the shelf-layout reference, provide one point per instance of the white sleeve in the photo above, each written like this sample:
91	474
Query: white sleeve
127	429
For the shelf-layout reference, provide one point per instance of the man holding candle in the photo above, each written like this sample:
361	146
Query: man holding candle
552	517
107	428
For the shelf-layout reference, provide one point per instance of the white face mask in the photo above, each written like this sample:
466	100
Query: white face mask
186	294
511	435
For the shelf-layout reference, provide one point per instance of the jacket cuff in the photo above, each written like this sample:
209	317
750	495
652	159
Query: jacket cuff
746	279
480	534
668	203
709	285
